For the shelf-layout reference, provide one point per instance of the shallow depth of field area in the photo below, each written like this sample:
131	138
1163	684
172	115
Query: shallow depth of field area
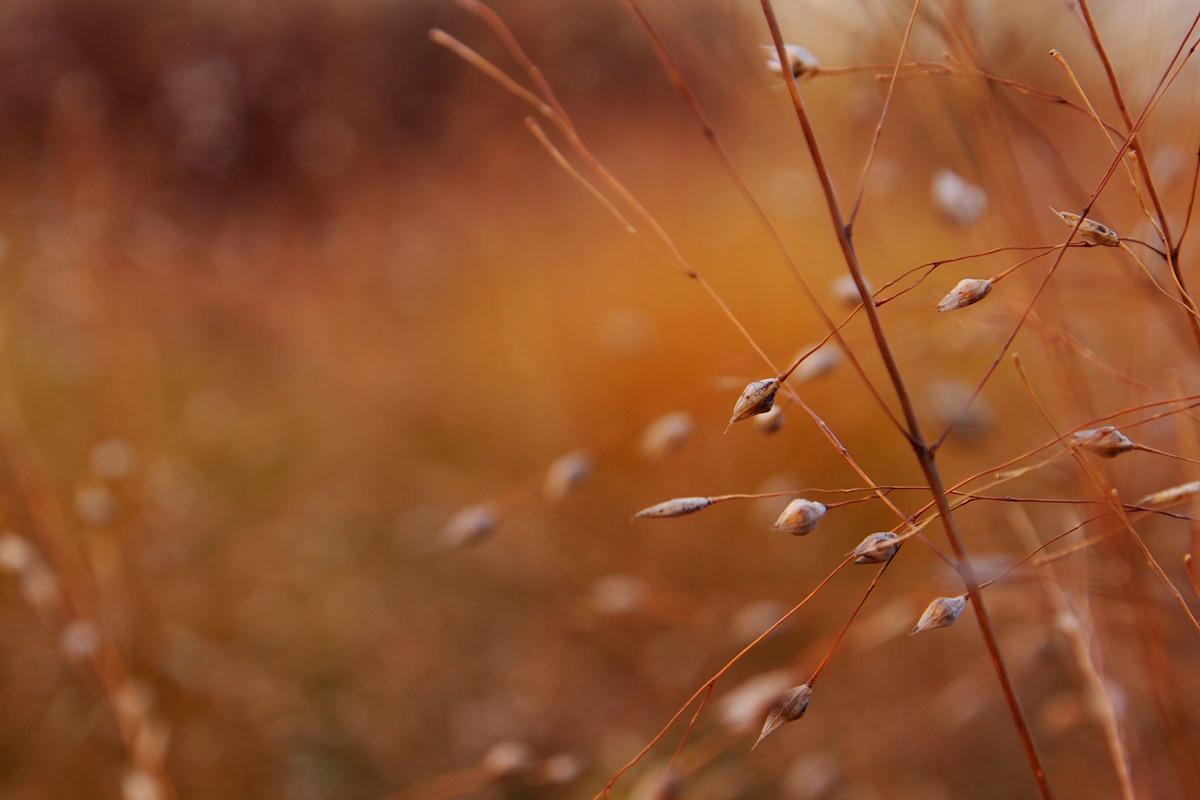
328	398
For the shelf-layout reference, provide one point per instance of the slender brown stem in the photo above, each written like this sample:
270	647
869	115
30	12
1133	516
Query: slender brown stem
710	135
924	454
887	102
1136	146
709	683
829	654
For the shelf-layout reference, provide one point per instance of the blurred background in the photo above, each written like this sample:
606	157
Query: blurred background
285	288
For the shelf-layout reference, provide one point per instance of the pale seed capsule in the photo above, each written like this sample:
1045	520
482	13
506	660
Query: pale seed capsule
507	760
561	769
469	526
567	474
876	548
1089	229
678	507
757	398
968	292
800	517
80	638
821	362
800	61
619	594
1171	495
845	291
771	421
959	200
941	613
666	435
746	703
16	554
1106	442
794	704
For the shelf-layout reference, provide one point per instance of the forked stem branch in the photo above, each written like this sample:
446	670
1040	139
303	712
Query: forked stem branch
925	455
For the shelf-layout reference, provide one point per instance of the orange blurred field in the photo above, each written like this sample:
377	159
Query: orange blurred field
284	285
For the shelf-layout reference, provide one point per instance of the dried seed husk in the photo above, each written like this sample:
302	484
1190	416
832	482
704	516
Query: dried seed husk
678	507
757	398
1106	442
771	421
876	548
745	704
800	517
666	435
1181	492
941	613
507	760
820	362
794	704
969	291
1089	229
800	61
959	200
845	291
470	526
567	474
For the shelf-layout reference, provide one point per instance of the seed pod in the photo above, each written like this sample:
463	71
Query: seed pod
757	398
469	526
16	554
745	704
1089	229
845	291
666	435
876	548
1171	495
507	760
678	507
821	362
800	61
969	291
560	769
959	200
1106	442
794	704
771	421
800	517
619	594
567	474
941	613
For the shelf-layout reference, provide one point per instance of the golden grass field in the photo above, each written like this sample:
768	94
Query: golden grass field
285	285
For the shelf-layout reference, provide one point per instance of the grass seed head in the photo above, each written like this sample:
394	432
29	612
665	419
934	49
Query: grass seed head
794	704
800	61
800	517
16	553
968	292
745	704
876	548
469	526
567	474
666	435
1106	442
1090	230
757	398
941	613
845	291
1171	495
507	760
821	362
771	421
678	507
959	200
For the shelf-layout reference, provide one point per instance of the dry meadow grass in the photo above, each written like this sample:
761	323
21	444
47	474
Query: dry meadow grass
329	393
